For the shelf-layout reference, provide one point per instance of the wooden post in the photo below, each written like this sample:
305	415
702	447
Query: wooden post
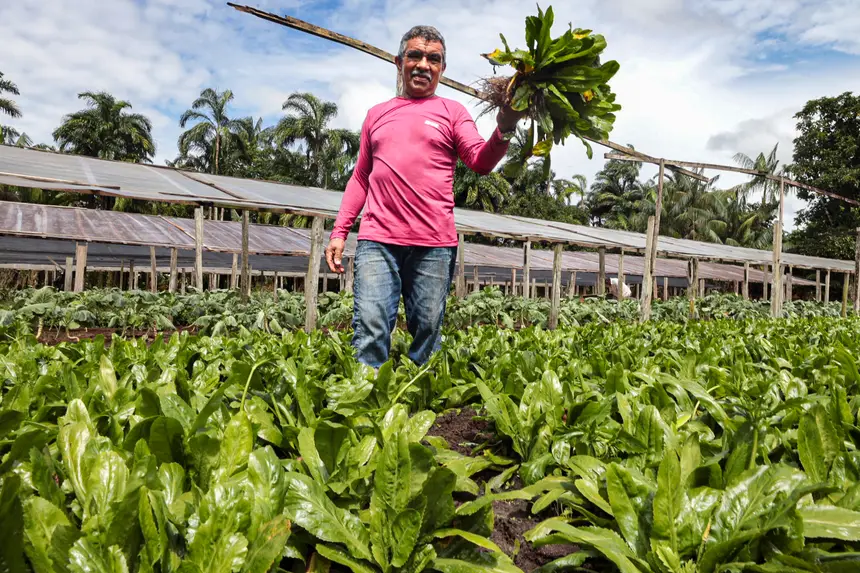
693	279
350	275
198	248
80	266
476	284
621	275
234	272
857	273
275	286
246	266
665	288
132	275
312	278
513	290
182	281
777	295
68	282
647	278
765	282
527	262
460	285
789	284
174	259
701	288
827	287
601	272
556	287
121	275
845	288
571	288
658	211
534	288
746	286
654	295
153	275
818	286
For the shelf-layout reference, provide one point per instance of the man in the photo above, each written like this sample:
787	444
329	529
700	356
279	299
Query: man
612	287
403	178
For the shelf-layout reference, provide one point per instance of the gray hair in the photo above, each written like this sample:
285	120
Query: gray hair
428	33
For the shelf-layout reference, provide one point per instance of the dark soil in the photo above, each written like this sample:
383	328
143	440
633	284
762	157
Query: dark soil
462	431
512	520
50	335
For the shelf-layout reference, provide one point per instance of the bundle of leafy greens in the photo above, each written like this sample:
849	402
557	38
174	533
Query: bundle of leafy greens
559	81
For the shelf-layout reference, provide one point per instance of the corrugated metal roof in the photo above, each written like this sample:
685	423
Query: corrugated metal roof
86	174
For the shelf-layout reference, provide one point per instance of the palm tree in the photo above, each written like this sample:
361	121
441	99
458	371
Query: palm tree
11	136
766	165
307	124
564	189
617	196
692	209
8	106
106	130
216	133
473	191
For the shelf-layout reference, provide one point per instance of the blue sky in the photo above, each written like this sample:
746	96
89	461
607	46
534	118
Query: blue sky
699	80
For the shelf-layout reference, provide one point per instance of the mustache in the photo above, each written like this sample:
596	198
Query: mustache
422	74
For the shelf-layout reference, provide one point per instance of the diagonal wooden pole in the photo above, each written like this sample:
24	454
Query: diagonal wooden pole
320	32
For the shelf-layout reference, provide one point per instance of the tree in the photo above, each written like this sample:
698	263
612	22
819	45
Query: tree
106	130
216	135
617	196
473	191
766	165
327	151
7	106
827	155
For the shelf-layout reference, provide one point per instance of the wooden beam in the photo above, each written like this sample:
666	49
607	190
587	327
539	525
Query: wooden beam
601	270
153	274
182	281
68	283
693	279
621	275
556	286
527	263
746	285
534	288
198	248
234	272
246	266
817	285
658	210
349	284
312	277
476	282
665	288
80	266
857	273
571	289
460	285
777	294
647	278
174	259
789	284
827	287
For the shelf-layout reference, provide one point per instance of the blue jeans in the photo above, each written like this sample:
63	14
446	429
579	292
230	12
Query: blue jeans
382	273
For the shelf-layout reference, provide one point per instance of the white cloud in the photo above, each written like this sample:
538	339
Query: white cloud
699	79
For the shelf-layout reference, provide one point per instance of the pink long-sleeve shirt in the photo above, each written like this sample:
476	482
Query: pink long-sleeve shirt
404	175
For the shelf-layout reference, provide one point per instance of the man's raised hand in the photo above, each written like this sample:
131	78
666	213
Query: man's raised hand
334	255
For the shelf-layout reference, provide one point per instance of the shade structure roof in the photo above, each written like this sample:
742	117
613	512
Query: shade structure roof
41	169
43	235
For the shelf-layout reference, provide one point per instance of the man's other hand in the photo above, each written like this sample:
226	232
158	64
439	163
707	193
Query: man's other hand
507	118
334	255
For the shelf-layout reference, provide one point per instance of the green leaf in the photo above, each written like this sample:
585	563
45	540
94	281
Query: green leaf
419	424
391	484
11	527
236	446
668	500
461	566
827	521
269	545
88	556
404	534
106	484
9	421
478	540
107	378
542	148
337	555
310	455
605	541
309	508
810	449
630	498
41	519
166	439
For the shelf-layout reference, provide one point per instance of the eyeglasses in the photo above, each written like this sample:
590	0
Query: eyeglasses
434	58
